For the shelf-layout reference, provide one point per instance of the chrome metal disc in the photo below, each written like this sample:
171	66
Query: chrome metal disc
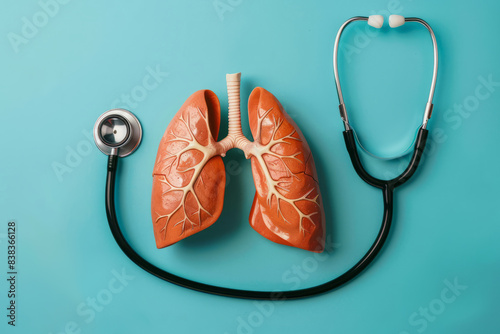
117	129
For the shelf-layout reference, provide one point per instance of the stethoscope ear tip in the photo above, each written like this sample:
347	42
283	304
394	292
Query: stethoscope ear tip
396	21
117	132
377	21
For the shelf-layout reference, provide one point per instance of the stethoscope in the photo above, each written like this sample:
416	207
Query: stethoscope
118	133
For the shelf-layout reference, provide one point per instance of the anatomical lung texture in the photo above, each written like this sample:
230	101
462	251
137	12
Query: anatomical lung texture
189	175
287	207
188	182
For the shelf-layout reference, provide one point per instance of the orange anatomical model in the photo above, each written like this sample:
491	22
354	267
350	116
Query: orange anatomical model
287	208
189	179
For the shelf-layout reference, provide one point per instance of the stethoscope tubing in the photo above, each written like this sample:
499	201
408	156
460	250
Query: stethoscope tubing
387	188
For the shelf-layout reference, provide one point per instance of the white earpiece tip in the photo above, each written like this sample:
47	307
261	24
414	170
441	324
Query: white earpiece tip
376	21
396	21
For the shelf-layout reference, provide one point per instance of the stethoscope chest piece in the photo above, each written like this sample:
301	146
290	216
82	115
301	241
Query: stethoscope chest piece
117	131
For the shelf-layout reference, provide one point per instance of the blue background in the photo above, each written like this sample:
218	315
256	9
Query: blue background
89	53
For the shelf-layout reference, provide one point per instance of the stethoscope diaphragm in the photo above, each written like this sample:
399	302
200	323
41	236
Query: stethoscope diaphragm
117	132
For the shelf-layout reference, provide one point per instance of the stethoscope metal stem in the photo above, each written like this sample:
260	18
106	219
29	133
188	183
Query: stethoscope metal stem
343	111
428	106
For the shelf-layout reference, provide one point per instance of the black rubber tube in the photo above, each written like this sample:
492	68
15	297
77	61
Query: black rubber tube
237	293
418	151
387	188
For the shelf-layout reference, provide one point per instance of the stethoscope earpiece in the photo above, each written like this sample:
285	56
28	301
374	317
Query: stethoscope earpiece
117	132
377	21
396	21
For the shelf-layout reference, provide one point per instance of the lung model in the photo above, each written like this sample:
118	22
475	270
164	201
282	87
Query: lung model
189	175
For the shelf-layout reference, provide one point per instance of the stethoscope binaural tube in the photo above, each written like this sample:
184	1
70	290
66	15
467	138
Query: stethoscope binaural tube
387	187
399	21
